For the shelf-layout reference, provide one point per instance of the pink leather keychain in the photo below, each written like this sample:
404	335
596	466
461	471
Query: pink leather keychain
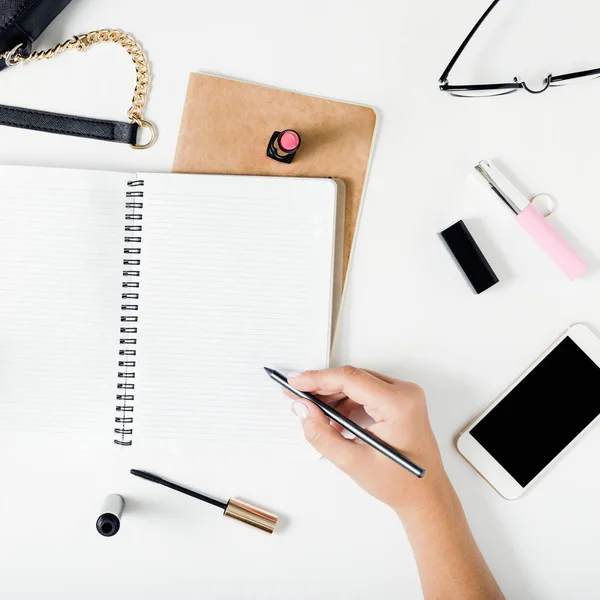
533	221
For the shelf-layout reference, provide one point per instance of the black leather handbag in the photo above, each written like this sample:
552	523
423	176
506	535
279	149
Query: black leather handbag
21	23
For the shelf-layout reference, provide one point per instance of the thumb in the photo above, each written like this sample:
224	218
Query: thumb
326	440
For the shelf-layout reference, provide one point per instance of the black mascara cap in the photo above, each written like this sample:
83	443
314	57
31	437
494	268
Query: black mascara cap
108	524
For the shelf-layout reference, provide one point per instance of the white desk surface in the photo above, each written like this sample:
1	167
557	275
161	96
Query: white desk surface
407	311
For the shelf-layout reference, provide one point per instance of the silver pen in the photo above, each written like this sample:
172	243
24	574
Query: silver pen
357	430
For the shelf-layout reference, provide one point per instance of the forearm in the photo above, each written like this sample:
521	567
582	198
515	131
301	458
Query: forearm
450	564
449	561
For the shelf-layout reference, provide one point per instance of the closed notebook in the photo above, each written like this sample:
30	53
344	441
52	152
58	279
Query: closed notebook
144	306
226	126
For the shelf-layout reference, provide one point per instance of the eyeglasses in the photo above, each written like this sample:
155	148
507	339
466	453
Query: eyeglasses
500	89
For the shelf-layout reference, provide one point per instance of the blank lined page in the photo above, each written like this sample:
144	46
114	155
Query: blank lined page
61	248
236	274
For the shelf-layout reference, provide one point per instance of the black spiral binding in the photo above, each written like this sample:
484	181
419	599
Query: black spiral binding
129	305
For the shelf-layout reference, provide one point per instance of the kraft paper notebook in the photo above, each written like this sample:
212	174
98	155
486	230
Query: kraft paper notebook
145	305
226	126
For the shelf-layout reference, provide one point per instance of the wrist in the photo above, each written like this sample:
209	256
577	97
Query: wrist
431	496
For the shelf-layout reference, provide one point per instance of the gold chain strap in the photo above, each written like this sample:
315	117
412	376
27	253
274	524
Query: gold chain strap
83	42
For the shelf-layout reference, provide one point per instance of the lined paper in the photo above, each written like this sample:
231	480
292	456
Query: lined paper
236	274
61	248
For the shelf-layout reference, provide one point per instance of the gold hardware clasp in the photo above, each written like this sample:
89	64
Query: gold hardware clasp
13	58
145	125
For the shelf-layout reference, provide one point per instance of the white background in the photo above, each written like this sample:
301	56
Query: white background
407	311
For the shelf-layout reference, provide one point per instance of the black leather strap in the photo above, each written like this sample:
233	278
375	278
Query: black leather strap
97	129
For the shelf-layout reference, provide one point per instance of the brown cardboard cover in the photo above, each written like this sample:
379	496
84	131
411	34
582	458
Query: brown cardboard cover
227	124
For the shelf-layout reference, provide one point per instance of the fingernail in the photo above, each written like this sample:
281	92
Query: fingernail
294	374
300	410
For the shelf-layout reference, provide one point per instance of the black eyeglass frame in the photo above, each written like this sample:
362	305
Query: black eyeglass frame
508	87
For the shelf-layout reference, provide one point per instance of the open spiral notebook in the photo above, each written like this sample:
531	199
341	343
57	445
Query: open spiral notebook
138	306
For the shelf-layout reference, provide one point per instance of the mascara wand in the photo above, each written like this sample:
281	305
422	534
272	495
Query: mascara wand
235	509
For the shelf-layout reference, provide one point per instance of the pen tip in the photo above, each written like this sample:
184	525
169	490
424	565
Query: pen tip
268	371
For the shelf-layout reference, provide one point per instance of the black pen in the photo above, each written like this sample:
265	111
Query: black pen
357	430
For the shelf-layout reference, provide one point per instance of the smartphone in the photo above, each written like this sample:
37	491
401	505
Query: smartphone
538	417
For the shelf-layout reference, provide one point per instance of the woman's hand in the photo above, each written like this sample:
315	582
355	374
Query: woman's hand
400	414
449	562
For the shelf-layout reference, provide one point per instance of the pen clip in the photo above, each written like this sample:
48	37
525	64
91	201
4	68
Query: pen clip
502	186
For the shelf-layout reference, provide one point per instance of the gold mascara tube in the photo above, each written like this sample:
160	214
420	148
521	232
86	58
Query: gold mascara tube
234	509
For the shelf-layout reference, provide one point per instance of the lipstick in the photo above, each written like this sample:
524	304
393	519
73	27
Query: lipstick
283	145
533	221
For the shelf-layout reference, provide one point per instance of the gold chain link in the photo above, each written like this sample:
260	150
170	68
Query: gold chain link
83	42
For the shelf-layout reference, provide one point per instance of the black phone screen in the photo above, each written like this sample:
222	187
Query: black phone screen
536	420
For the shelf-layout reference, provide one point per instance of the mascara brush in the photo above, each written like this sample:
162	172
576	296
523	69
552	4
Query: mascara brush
234	509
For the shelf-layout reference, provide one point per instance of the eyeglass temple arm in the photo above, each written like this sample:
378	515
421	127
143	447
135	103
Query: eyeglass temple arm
444	76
